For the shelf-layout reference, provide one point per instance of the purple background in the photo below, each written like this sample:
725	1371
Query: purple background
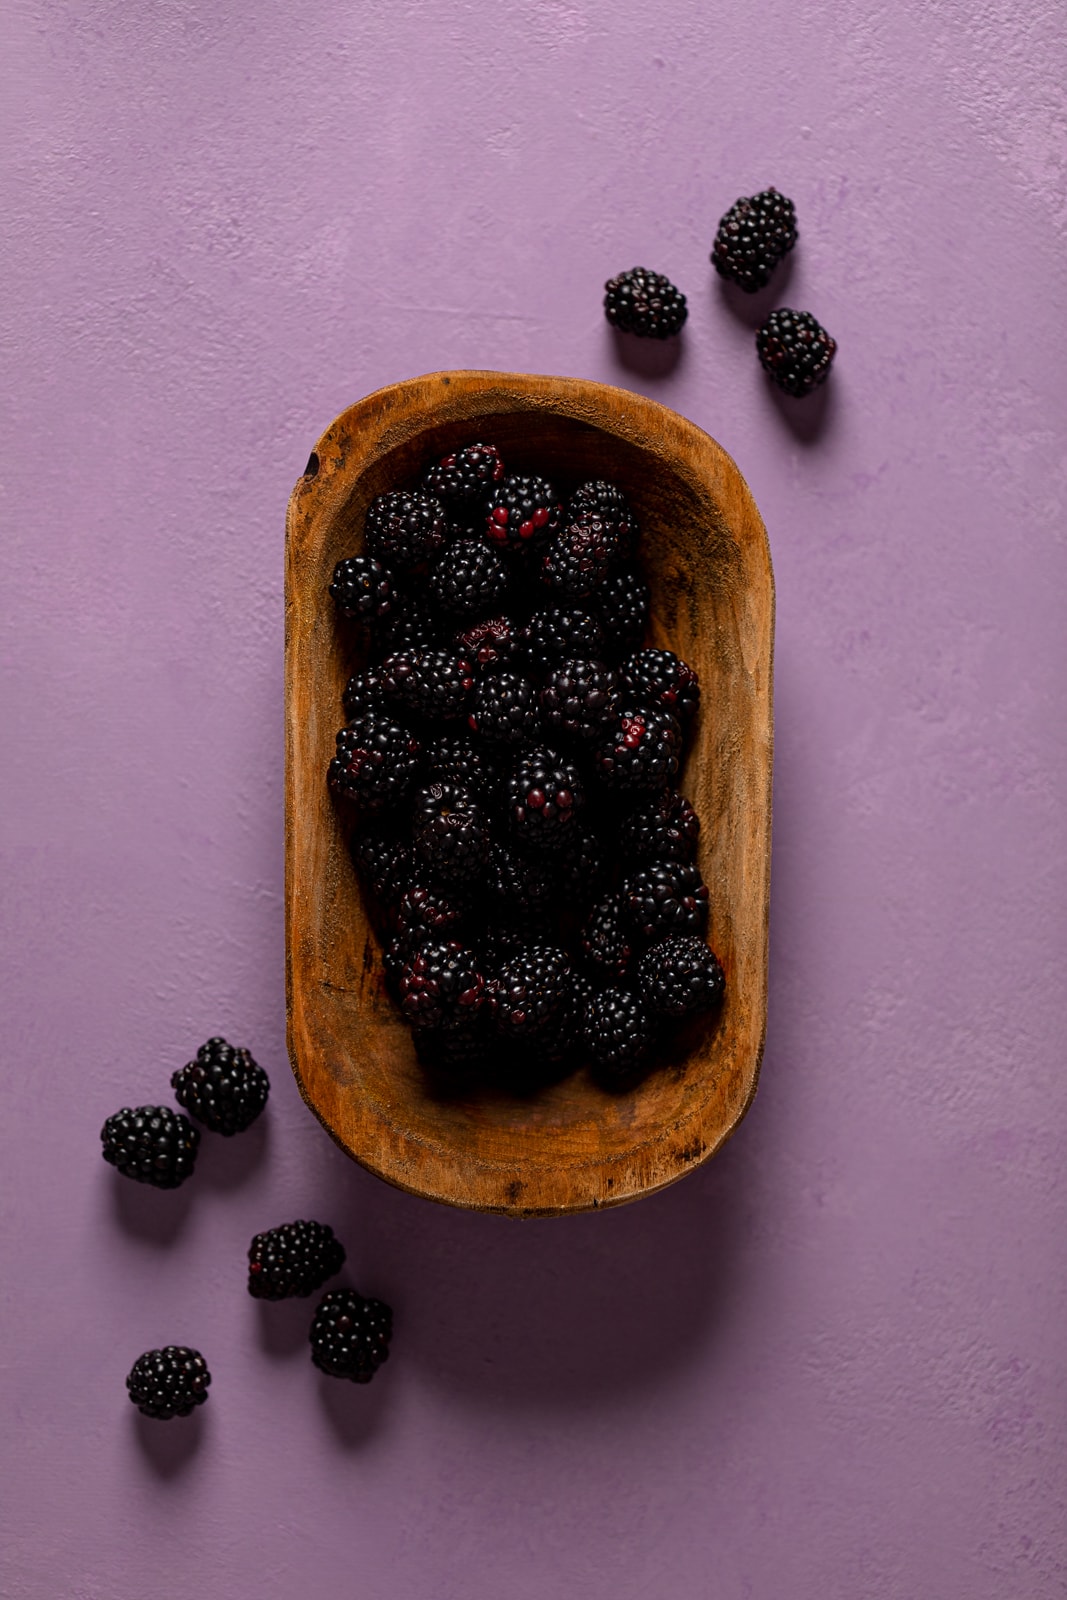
830	1364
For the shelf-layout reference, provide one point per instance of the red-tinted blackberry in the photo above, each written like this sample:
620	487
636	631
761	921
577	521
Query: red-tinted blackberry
753	237
504	708
665	829
667	898
641	753
439	985
660	678
363	693
562	633
645	303
545	795
462	480
405	529
223	1088
609	502
680	976
384	863
451	833
532	991
579	556
362	588
375	764
414	625
621	605
489	644
151	1144
168	1383
518	892
605	939
579	699
293	1260
350	1335
795	351
521	512
617	1035
469	580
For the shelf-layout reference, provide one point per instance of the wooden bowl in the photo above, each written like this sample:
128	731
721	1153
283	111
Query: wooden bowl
704	551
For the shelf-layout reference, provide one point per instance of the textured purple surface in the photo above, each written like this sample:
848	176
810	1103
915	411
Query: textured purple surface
828	1366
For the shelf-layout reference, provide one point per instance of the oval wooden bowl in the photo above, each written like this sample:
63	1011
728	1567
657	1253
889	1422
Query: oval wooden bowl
704	550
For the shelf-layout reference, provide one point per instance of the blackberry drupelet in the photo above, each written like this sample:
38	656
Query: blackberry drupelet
664	829
384	863
558	633
522	512
363	589
667	898
605	939
439	985
504	708
375	764
753	237
168	1383
532	991
491	643
621	605
795	351
617	1034
680	976
469	580
293	1260
405	529
579	556
350	1335
645	303
660	678
545	795
609	502
223	1088
641	753
364	692
151	1144
451	833
462	480
579	699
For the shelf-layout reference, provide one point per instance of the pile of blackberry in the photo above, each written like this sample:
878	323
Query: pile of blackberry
508	771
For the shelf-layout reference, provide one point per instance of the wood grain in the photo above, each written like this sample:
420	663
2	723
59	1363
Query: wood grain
704	550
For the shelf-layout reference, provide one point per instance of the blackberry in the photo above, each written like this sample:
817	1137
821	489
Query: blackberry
605	939
641	753
680	976
362	588
753	237
223	1088
451	833
795	351
667	898
405	529
645	303
168	1383
454	1055
293	1260
579	699
518	891
462	480
609	502
384	863
426	914
350	1335
469	580
151	1144
660	678
665	829
413	625
621	605
522	512
454	758
579	556
558	633
375	763
431	683
617	1033
504	708
545	795
439	985
580	864
533	990
363	692
491	643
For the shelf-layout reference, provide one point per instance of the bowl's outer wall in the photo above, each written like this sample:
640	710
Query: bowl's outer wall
704	550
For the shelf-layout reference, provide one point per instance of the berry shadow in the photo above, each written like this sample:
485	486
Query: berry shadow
809	419
754	309
647	358
283	1325
154	1216
227	1163
355	1411
169	1447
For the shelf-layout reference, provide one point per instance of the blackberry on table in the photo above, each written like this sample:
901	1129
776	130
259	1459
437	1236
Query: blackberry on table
439	985
605	938
621	605
545	795
168	1383
752	238
579	699
350	1335
363	589
560	633
293	1260
522	512
644	303
659	677
665	828
375	764
681	976
451	833
504	708
151	1144
462	480
492	642
532	991
223	1088
364	692
795	351
617	1034
666	898
579	556
469	580
609	502
405	529
641	752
